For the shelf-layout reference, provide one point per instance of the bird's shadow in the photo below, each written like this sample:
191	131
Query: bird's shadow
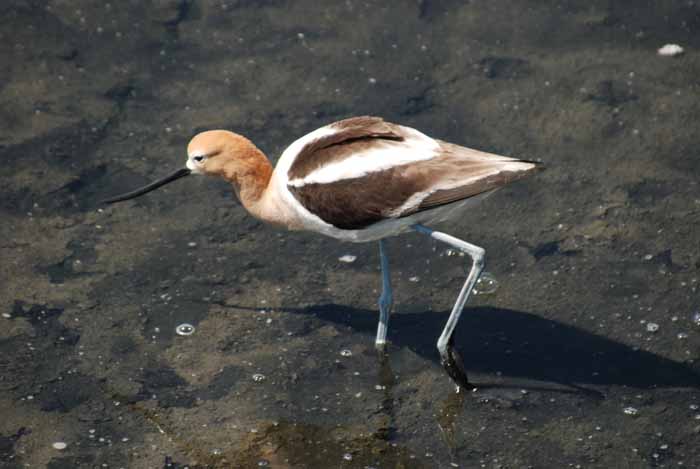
519	344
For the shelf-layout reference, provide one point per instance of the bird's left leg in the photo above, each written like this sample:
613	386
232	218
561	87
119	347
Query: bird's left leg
449	357
386	299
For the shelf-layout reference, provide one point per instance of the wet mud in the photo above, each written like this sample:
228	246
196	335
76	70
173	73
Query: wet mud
585	355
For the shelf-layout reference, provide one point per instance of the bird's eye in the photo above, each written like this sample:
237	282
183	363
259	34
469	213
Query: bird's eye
199	158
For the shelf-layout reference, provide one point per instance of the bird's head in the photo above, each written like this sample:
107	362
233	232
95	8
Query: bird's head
213	153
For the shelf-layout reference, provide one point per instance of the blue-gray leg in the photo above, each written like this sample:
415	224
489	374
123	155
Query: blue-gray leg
386	299
449	357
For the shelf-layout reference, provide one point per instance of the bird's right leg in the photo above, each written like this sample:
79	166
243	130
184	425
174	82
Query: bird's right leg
449	357
386	299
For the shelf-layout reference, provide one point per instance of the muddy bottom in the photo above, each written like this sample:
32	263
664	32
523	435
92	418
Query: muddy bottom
176	331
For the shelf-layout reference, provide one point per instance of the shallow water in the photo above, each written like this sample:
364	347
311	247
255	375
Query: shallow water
584	355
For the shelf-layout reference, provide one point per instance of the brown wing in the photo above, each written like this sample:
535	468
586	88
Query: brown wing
482	171
352	204
454	173
351	136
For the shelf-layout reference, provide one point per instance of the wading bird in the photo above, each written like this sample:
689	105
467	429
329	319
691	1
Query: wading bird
360	179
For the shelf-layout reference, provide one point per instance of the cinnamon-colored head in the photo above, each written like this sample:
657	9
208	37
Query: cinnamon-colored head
231	156
217	153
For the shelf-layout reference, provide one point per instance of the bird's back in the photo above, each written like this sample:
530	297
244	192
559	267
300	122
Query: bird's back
363	171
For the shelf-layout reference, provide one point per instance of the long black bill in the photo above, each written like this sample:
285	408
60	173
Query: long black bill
152	186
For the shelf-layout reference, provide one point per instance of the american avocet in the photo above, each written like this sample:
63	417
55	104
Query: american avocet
360	179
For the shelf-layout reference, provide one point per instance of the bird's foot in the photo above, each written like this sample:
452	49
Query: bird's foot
452	362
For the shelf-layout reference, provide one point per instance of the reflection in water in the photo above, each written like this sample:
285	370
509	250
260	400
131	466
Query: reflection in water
386	428
448	421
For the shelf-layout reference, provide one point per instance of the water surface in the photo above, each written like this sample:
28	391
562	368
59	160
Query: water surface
585	355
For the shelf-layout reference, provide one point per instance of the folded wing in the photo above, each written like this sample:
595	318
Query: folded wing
369	170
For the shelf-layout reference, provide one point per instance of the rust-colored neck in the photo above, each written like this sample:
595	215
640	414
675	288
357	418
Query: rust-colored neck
236	159
249	172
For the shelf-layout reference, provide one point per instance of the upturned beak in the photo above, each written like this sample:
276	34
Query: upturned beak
180	173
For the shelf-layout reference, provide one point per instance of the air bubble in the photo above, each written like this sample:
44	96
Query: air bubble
347	457
263	463
652	327
696	318
346	353
631	410
258	377
486	285
185	329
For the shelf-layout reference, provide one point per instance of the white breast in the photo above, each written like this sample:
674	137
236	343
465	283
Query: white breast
298	218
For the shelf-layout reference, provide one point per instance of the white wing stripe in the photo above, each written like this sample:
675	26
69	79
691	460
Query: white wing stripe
385	155
362	164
